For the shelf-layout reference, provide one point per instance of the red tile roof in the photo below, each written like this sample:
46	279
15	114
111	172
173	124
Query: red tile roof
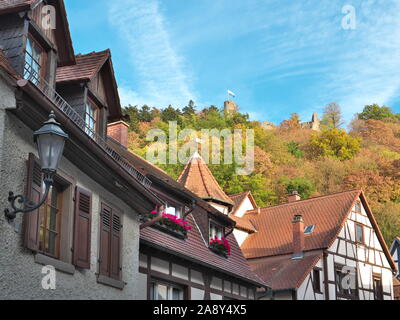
198	178
274	224
196	249
243	224
86	67
283	272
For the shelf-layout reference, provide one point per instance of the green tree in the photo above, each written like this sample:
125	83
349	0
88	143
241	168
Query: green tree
145	114
335	143
294	149
376	112
190	109
388	218
133	113
303	186
332	117
170	114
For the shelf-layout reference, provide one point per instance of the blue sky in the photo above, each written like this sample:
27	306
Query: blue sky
278	56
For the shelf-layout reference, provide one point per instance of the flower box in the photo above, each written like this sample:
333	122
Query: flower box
220	246
170	224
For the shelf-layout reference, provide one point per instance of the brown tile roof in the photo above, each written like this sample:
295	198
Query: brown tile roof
328	213
243	224
198	178
86	67
6	66
283	272
194	248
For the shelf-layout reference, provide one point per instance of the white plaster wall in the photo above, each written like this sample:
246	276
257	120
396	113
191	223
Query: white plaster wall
20	276
240	236
219	207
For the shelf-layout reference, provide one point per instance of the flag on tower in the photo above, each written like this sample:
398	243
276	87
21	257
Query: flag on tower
231	94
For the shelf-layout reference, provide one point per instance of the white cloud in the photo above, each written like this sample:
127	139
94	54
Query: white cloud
351	67
163	77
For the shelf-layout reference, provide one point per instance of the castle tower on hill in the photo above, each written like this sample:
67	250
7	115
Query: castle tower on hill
314	124
230	107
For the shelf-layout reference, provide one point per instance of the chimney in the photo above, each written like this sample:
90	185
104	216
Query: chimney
119	132
294	197
298	236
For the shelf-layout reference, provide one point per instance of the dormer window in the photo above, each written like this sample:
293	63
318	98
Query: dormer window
91	114
34	60
173	210
216	231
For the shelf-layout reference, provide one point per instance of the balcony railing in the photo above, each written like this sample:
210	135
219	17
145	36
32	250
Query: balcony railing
31	74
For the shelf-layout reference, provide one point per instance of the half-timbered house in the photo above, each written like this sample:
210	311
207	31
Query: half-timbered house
329	247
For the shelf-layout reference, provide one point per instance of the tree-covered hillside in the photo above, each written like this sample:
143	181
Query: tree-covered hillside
289	157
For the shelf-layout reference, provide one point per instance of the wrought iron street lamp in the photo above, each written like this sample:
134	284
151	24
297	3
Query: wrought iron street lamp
50	141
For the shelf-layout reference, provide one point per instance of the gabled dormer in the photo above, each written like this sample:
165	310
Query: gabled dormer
89	86
35	37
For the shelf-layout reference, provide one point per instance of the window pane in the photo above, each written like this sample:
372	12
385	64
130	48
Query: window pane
170	210
162	292
52	242
177	294
359	233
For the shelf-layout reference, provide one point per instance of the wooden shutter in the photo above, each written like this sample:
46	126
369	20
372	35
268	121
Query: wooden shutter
105	240
115	268
33	193
82	228
110	242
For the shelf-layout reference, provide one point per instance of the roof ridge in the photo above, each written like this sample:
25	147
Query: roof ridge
303	200
238	194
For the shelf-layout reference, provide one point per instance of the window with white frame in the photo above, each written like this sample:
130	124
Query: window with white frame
174	210
165	291
216	231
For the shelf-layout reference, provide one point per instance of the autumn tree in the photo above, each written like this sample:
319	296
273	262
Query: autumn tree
292	123
332	117
335	143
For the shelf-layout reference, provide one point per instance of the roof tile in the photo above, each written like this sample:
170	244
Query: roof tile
198	178
86	67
